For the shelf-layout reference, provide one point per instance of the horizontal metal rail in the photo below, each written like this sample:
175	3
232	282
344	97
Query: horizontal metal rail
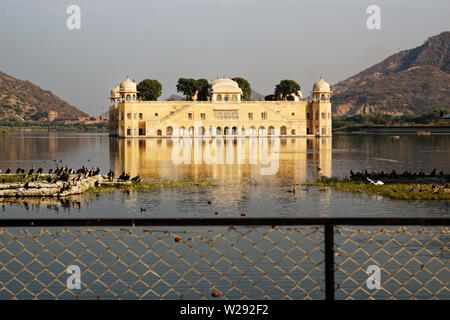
225	222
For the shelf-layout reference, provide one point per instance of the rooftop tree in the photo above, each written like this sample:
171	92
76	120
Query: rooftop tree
149	89
188	87
286	88
245	86
202	89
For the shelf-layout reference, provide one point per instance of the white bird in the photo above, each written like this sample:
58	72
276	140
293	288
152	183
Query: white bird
378	183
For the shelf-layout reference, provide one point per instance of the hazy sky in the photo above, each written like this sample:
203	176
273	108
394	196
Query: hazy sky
263	41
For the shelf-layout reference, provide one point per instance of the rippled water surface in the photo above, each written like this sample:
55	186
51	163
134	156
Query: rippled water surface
248	171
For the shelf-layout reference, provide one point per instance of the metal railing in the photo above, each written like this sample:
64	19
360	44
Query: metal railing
228	258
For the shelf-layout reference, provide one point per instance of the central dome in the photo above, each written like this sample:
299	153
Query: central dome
225	85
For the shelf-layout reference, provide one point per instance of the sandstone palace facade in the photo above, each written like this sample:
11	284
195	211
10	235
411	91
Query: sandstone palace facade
224	114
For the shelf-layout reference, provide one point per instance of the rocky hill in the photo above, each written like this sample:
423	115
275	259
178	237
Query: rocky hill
23	101
409	82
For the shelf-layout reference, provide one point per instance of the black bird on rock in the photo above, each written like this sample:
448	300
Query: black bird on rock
136	179
39	170
8	171
111	174
124	176
31	170
18	170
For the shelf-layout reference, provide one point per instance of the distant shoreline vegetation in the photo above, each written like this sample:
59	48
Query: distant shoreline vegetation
431	119
52	127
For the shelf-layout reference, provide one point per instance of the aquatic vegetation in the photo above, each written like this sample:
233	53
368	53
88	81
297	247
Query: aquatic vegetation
20	178
393	190
153	185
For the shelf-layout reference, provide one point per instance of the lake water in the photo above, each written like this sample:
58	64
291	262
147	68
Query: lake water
249	172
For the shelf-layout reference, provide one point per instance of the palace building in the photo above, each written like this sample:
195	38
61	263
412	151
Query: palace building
225	113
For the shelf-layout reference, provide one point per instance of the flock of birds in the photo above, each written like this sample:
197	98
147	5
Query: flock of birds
365	175
65	173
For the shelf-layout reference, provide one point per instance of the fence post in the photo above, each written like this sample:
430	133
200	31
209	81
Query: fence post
329	262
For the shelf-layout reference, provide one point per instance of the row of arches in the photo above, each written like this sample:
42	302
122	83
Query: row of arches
124	98
219	131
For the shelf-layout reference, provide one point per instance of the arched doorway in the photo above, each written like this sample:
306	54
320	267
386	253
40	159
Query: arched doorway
191	131
262	131
226	131
234	131
283	131
271	131
159	132
293	132
169	131
252	131
201	131
218	131
182	131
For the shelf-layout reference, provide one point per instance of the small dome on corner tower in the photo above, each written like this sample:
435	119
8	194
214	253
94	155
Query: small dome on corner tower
321	86
128	85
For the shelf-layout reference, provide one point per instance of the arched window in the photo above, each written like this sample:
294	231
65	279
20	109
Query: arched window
219	97
293	132
128	97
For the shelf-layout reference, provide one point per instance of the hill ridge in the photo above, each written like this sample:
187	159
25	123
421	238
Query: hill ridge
410	81
21	100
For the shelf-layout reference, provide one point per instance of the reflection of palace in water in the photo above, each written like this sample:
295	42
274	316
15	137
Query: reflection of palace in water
224	158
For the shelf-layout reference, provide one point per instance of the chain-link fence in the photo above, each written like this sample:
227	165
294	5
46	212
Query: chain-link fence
222	259
414	262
